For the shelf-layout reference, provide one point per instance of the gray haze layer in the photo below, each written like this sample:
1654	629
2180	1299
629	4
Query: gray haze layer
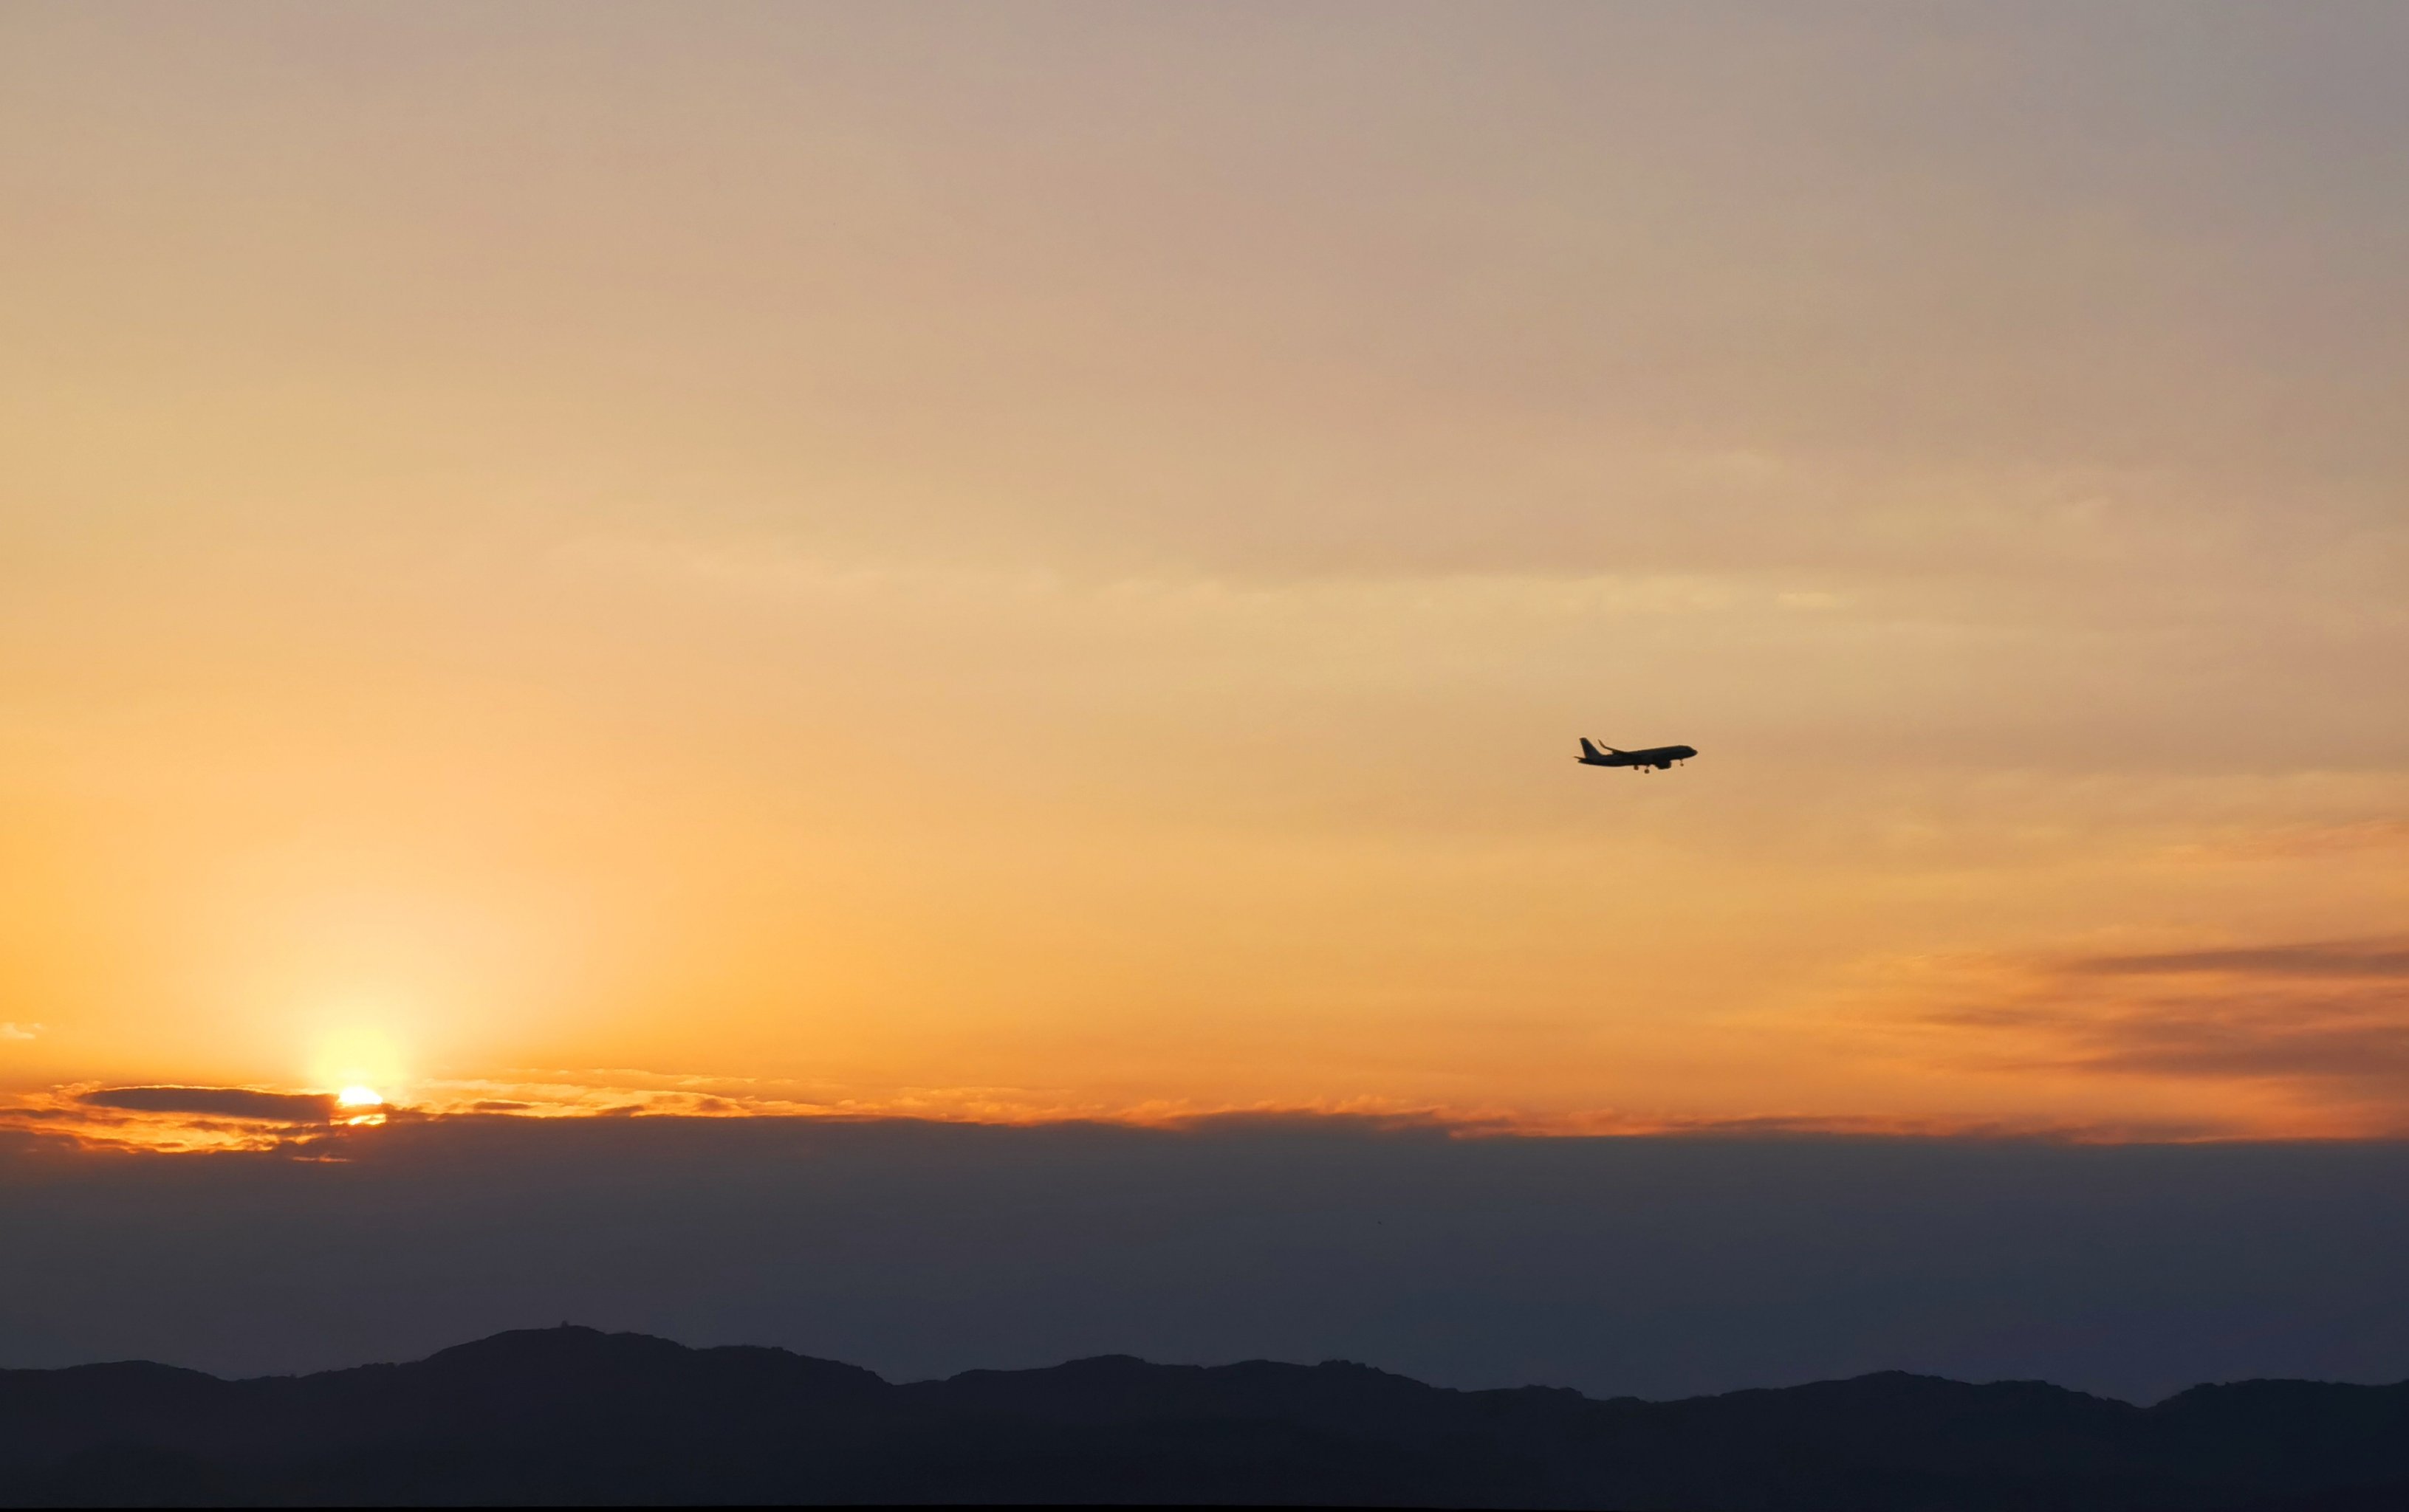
1656	1267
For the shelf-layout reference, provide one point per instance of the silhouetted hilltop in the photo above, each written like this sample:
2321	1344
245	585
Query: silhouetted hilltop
571	1415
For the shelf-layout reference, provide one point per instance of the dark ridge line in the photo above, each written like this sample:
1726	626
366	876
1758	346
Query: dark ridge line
576	1415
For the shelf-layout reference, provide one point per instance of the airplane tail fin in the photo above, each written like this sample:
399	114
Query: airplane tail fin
1588	750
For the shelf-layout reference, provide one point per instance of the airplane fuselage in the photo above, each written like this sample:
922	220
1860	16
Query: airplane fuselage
1659	757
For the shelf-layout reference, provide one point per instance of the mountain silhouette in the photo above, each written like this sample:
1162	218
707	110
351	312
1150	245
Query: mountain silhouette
571	1415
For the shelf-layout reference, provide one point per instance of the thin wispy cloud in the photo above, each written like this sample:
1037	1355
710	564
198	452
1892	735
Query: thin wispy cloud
2321	1027
2385	959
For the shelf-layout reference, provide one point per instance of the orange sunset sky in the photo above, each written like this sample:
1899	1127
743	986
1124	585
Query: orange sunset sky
1013	560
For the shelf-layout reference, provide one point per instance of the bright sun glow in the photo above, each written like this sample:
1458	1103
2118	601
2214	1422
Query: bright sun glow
357	1054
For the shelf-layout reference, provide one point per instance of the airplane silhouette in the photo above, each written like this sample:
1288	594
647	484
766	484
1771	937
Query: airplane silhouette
1657	756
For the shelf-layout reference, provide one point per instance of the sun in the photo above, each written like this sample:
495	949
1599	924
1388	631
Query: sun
360	1106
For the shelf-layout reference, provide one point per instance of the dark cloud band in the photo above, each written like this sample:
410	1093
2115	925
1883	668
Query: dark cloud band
2386	959
216	1102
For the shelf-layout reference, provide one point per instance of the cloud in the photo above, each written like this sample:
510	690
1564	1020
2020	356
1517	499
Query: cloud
2345	1040
2299	842
2325	1010
2323	1023
2385	959
216	1102
1923	1128
1656	1266
20	1031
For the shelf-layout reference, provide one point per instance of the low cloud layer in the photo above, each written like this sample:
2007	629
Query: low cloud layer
1658	1267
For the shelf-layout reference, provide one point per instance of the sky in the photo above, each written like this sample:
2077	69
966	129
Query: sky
1007	562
